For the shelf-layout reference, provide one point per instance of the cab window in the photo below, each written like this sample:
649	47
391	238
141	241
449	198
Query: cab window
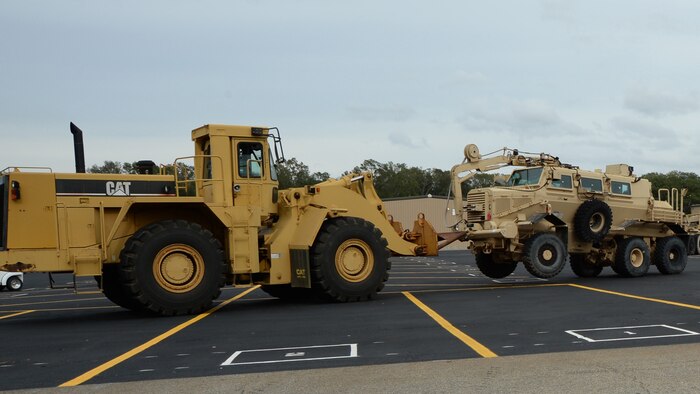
592	185
564	182
250	159
528	176
621	188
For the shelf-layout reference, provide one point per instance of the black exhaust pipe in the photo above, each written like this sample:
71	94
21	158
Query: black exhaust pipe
78	148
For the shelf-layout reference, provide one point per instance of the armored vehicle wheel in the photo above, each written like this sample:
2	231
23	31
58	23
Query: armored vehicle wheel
173	267
113	288
349	260
493	267
14	284
632	257
287	292
544	255
670	256
592	221
694	245
582	267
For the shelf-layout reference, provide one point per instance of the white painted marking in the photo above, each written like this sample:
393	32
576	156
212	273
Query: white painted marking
218	352
5	366
392	354
471	274
577	342
182	354
18	295
683	333
513	333
295	354
146	370
539	344
352	347
182	367
508	347
378	342
151	357
543	332
39	364
680	324
518	280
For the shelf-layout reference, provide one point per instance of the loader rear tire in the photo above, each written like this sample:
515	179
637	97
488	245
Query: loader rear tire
582	267
113	288
349	260
632	257
173	267
544	255
492	267
670	256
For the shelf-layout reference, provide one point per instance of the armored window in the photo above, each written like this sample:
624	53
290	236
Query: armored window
621	188
250	159
592	185
528	176
564	182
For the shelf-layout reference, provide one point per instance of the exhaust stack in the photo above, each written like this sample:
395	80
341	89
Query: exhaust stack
78	148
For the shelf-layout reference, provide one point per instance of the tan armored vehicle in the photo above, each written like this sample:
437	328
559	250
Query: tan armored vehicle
166	244
548	211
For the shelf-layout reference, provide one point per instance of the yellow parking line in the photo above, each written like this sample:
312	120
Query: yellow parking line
56	302
680	304
482	350
16	314
131	353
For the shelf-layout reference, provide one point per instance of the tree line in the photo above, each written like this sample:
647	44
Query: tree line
401	180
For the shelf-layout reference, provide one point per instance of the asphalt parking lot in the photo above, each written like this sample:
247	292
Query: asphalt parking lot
433	308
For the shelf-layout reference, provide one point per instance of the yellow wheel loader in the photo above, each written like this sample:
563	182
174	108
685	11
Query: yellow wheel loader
165	242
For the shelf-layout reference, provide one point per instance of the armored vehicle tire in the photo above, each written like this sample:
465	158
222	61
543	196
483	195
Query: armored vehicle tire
287	292
592	221
582	267
544	255
113	288
492	267
670	256
349	260
14	284
173	267
632	257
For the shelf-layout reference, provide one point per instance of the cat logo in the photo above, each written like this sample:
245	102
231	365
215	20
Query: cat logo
118	188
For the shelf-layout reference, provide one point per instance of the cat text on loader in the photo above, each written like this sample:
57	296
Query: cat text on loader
166	244
548	211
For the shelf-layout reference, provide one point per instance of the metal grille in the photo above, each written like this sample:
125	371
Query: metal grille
476	207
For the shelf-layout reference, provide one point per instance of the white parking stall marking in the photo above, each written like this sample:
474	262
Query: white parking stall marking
291	354
610	334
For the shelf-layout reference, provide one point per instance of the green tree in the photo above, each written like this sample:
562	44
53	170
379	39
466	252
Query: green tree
678	180
294	173
109	167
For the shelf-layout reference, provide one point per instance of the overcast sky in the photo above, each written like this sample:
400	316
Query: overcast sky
593	82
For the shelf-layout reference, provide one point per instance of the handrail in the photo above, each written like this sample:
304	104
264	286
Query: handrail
7	170
181	184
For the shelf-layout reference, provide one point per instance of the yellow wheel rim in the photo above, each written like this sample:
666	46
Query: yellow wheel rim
354	260
636	257
178	268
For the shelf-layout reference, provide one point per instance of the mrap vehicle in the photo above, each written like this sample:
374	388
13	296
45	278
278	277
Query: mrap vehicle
166	244
549	212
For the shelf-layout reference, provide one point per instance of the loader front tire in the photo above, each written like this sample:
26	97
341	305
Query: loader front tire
493	267
173	267
349	260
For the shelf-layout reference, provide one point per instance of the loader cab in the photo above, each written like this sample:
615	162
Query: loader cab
235	165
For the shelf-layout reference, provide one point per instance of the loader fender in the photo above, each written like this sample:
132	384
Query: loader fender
309	225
